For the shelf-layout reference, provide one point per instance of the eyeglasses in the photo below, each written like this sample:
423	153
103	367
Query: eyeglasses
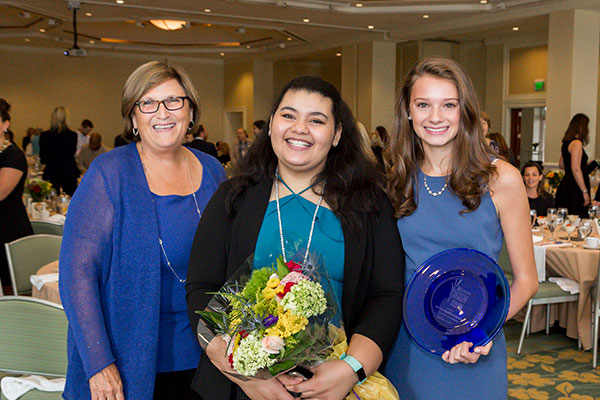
171	104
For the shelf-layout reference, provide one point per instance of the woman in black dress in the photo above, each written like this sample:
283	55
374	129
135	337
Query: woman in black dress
57	152
539	199
13	171
574	189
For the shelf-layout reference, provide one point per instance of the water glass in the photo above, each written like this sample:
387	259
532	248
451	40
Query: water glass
562	213
552	222
585	228
570	228
533	215
593	211
550	212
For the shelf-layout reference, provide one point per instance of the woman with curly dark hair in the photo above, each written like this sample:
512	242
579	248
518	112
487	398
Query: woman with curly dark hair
306	166
449	190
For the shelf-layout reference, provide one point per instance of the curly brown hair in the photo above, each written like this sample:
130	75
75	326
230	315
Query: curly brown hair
471	157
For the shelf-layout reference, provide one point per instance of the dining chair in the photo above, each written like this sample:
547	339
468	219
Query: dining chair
47	227
28	254
33	341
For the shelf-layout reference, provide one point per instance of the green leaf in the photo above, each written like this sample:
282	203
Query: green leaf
278	368
282	269
214	318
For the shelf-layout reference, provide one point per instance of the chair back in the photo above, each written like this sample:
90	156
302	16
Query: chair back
504	260
33	336
45	227
28	254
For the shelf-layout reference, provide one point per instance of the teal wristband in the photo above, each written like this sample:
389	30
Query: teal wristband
356	367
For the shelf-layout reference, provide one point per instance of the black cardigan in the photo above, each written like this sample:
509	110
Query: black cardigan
373	271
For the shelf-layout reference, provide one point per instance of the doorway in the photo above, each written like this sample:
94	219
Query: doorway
234	120
527	133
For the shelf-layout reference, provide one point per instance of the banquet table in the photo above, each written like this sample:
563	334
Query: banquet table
50	289
581	265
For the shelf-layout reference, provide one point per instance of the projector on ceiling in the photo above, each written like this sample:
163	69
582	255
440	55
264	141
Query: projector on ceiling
75	52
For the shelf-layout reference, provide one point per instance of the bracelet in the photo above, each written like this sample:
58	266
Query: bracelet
356	366
585	191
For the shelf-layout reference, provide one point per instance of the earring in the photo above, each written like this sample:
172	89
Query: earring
269	133
190	125
135	131
409	117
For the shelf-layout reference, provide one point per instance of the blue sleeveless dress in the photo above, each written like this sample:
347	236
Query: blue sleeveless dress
435	226
296	218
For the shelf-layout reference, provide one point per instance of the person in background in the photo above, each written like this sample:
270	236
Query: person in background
573	192
223	152
27	138
57	151
83	134
13	216
123	139
199	142
307	164
498	144
123	266
486	122
539	199
449	191
240	149
90	151
258	126
365	142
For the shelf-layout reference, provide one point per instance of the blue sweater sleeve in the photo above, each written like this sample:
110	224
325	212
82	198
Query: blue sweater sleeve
84	264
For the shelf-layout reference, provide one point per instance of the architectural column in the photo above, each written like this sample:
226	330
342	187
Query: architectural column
262	90
573	47
369	82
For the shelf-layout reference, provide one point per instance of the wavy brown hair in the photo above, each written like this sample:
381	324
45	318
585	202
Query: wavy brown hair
578	129
471	157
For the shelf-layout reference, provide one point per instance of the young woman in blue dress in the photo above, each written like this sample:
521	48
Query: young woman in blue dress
450	191
305	180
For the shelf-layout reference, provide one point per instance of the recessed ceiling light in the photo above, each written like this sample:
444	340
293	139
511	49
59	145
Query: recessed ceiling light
88	14
425	16
247	46
515	28
306	20
222	54
25	14
338	54
289	39
209	25
370	27
42	30
120	1
358	5
207	10
27	40
483	1
92	42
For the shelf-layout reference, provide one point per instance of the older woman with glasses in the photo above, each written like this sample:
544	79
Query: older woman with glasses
126	247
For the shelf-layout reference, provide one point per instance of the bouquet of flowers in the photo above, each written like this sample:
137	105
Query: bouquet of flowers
280	317
553	179
37	188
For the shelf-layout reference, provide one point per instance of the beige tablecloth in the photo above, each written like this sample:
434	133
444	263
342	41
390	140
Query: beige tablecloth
50	290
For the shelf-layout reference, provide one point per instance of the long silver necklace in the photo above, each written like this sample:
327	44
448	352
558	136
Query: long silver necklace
160	241
434	194
312	224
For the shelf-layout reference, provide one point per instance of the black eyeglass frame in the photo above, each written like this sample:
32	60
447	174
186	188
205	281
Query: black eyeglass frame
159	102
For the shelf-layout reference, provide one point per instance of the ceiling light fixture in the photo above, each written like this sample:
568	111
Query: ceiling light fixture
120	1
88	14
42	30
371	27
27	40
25	14
306	20
289	39
247	46
425	16
515	28
358	5
92	42
338	54
483	1
168	24
207	10
222	54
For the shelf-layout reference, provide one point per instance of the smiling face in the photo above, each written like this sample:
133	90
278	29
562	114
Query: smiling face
163	129
532	177
302	132
435	111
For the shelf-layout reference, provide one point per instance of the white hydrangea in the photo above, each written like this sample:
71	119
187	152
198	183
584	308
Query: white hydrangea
305	299
250	356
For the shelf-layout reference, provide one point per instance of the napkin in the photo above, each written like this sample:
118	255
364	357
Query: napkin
59	218
566	284
539	252
40	280
537	239
13	387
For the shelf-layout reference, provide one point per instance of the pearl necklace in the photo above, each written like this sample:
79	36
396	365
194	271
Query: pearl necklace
312	225
434	194
4	145
160	241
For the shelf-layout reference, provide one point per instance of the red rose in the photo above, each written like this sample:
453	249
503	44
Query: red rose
243	333
287	287
36	188
292	266
231	360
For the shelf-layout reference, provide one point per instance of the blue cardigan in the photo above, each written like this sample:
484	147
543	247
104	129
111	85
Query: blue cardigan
110	275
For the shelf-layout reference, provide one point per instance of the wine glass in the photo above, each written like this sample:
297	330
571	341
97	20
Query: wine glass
552	222
533	215
585	228
570	228
550	212
562	213
541	221
593	211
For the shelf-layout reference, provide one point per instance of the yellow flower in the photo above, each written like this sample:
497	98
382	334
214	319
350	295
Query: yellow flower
272	283
268	293
513	363
528	394
279	289
551	174
525	379
287	325
536	358
584	377
575	355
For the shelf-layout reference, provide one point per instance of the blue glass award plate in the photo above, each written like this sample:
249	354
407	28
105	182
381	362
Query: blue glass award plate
458	295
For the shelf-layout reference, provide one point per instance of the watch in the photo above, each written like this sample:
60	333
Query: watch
356	366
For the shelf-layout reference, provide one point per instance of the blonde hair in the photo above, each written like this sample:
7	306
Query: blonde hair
59	119
365	142
149	75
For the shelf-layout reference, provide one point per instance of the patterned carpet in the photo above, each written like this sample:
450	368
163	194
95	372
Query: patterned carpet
550	367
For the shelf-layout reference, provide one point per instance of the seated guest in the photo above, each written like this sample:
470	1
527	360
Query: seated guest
539	199
90	151
498	144
223	152
123	139
199	141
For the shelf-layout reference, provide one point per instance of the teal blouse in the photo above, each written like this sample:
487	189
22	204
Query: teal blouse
296	218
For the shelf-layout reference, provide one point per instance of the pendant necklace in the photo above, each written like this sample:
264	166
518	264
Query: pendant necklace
160	241
312	224
434	194
4	145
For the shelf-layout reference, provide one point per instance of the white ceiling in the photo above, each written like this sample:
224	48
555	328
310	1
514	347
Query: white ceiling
268	29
